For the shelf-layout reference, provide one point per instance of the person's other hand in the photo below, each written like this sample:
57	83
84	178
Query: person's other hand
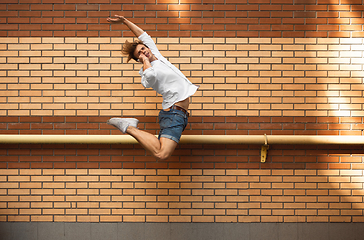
117	18
142	58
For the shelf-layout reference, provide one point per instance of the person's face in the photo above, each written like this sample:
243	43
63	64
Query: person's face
142	49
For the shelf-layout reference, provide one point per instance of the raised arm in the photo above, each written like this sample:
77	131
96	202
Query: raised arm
121	19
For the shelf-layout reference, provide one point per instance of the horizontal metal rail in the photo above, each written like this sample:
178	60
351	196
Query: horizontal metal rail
185	139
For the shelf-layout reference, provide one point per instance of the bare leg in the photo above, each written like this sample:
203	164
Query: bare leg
161	149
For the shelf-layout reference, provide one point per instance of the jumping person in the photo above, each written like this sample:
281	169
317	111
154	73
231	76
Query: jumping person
157	73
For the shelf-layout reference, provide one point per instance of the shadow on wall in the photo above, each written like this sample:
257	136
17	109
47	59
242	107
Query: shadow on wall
49	156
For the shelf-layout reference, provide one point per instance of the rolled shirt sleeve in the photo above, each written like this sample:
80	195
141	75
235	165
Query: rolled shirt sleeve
148	77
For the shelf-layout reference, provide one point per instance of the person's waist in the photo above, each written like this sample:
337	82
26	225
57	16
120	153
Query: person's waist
176	107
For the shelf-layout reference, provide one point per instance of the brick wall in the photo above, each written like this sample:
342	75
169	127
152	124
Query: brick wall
238	77
182	195
264	67
184	18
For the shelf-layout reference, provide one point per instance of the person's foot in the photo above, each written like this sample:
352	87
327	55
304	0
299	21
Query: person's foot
123	123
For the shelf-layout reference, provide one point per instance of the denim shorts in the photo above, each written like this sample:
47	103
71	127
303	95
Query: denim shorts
172	123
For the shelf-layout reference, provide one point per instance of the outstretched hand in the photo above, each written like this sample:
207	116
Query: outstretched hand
117	18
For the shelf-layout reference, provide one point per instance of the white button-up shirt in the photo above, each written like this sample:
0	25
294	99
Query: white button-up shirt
164	77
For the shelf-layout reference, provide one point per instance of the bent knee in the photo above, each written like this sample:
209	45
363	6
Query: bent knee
166	150
162	156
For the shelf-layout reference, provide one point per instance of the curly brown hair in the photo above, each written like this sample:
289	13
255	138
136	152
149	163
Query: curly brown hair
129	48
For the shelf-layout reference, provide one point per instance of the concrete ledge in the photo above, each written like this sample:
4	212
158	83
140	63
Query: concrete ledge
180	231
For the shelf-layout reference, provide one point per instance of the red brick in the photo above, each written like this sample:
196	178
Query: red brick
269	165
18	165
81	16
144	159
14	149
202	165
64	7
9	14
18	20
86	7
305	159
53	119
271	8
87	165
316	8
248	165
202	34
41	165
351	132
191	158
30	14
357	34
258	14
122	158
317	166
18	34
30	158
59	165
133	165
304	14
285	159
98	27
9	119
317	34
76	158
351	28
294	166
75	119
41	7
53	158
339	165
76	132
110	165
102	1
358	166
328	27
52	132
159	1
339	34
250	7
37	132
156	165
9	158
64	20
296	21
179	165
328	1
214	158
237	159
134	152
42	151
87	34
327	159
53	1
78	27
18	7
18	126
31	27
226	165
99	158
271	21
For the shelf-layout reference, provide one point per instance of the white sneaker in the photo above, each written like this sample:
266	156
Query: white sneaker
123	123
